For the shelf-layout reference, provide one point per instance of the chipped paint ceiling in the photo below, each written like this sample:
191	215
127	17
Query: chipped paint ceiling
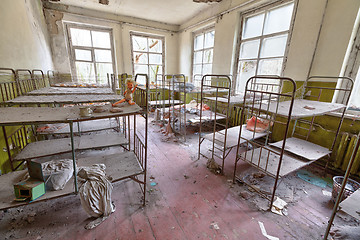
166	11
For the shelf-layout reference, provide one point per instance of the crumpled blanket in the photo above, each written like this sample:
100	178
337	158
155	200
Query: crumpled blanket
95	193
59	172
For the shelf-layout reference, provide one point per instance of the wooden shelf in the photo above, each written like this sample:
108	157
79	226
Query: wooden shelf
63	145
301	108
85	127
118	167
351	205
71	91
268	161
233	135
64	99
303	148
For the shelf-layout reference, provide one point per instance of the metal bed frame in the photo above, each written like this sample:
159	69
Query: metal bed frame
216	84
283	157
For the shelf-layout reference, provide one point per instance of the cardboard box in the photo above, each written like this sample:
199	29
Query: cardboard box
30	189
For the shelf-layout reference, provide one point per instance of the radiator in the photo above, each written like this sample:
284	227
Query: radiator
344	152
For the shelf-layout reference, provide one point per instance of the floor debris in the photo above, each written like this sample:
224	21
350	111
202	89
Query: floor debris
263	231
278	206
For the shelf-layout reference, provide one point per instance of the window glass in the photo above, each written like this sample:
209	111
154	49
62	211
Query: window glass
84	55
274	46
249	49
102	70
253	26
139	43
199	42
100	39
246	70
85	72
155	45
209	39
80	37
140	57
155	59
279	19
102	55
270	66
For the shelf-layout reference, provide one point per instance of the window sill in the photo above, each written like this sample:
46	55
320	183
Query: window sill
350	114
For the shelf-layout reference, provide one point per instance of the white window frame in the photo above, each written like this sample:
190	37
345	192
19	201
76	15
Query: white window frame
261	38
159	77
197	77
72	48
352	65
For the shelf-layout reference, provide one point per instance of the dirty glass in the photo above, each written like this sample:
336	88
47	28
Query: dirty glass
102	55
253	26
199	42
100	39
155	58
208	56
209	39
139	43
207	68
278	19
80	37
83	55
270	66
274	46
140	57
102	70
249	49
246	70
197	69
155	45
85	72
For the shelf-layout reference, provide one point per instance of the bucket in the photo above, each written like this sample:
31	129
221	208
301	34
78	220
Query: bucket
350	187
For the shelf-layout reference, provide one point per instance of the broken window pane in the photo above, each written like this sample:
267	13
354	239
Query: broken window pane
103	55
249	49
155	59
278	19
245	71
208	56
198	57
199	42
102	70
253	26
139	43
140	57
209	39
274	46
85	72
84	55
100	39
270	66
80	37
155	45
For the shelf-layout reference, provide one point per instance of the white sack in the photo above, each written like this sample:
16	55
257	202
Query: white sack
59	172
95	191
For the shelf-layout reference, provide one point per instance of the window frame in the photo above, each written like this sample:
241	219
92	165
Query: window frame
146	35
240	40
202	31
72	48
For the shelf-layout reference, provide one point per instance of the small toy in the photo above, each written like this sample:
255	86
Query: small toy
128	93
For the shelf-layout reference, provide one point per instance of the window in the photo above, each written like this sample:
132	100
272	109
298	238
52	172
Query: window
92	54
262	48
203	54
147	56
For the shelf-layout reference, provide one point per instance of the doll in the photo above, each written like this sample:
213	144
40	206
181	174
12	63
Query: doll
128	93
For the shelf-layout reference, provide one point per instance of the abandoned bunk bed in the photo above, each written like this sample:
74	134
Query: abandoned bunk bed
281	152
131	163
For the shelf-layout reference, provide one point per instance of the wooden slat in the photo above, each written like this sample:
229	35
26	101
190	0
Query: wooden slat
118	166
303	148
70	91
301	108
63	145
289	164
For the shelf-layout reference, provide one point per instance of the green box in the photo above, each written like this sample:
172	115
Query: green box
30	189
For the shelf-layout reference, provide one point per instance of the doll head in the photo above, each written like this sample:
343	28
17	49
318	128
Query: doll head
130	83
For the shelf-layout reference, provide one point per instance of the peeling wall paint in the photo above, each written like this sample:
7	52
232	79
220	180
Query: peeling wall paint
24	42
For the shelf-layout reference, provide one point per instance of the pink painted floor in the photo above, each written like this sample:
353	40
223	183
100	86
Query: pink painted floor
188	202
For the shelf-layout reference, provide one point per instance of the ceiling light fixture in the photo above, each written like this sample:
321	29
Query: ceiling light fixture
105	2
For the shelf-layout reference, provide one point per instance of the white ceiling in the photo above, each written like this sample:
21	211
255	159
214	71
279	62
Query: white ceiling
166	11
